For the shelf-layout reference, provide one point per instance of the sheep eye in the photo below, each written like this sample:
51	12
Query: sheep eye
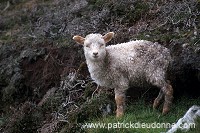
87	45
101	44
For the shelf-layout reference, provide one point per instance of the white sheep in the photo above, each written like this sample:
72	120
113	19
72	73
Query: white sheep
135	63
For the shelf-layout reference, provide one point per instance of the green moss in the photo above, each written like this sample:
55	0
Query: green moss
131	13
88	90
2	121
128	12
52	104
7	93
6	38
140	9
158	35
29	123
96	3
2	1
91	108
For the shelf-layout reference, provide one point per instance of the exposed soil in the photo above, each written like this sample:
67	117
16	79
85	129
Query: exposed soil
46	71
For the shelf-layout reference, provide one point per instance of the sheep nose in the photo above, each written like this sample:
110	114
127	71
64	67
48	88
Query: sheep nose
95	53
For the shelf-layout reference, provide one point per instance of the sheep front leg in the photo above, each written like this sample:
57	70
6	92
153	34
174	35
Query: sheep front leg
120	102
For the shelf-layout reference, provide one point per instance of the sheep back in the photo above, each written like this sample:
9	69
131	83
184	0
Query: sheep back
133	63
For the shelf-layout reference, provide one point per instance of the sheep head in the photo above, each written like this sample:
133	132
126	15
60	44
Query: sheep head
94	45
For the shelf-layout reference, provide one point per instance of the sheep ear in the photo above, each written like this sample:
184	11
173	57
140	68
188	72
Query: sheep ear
107	37
79	39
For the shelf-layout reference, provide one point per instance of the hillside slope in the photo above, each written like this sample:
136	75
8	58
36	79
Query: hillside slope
44	82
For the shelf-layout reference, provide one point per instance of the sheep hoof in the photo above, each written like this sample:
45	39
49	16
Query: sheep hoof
165	110
119	115
156	104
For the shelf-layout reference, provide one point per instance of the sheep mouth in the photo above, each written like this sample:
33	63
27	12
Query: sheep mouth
95	56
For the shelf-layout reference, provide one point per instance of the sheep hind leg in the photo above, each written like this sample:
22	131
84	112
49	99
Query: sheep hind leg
120	101
157	101
168	92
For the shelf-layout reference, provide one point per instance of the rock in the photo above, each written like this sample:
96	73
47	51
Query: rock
11	76
10	72
187	121
106	109
185	69
32	54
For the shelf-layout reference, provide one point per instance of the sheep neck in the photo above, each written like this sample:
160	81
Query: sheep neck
97	67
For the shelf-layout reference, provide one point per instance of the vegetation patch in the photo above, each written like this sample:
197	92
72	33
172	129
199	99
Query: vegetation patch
141	112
